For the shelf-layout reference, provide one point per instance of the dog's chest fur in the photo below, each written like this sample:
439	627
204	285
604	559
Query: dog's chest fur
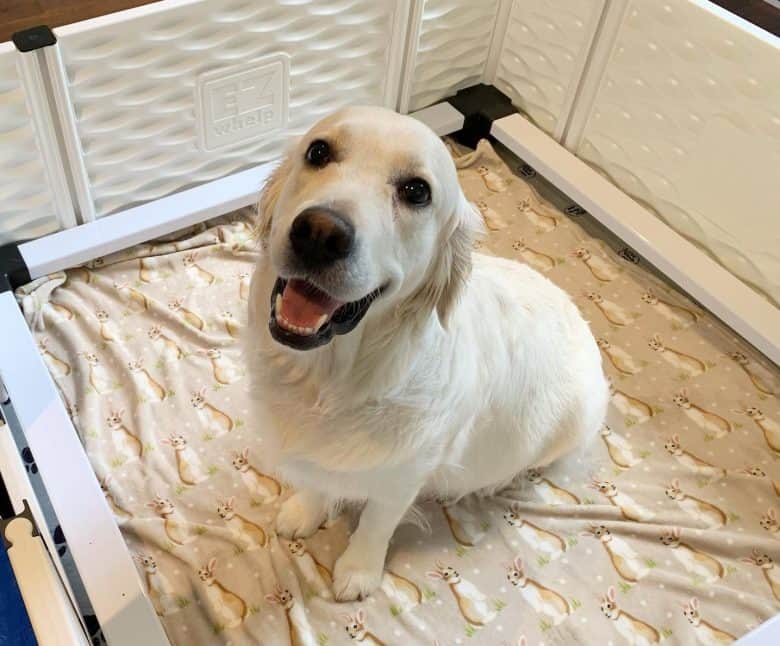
449	411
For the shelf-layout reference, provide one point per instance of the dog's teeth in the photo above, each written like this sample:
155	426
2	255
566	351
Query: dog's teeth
320	322
278	304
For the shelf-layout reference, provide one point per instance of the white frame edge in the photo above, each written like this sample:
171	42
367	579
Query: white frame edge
46	136
736	304
63	107
121	606
111	233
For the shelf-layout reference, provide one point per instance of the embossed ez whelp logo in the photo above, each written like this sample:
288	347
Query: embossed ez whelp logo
241	103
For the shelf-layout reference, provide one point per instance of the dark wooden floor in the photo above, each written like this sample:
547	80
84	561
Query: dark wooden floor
16	15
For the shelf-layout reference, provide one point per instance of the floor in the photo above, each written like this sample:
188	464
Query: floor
16	15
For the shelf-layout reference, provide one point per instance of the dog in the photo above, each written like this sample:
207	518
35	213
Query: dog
388	360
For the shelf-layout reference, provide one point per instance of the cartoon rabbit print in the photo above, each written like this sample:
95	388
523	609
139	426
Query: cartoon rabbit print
126	443
625	560
756	471
618	448
59	313
633	630
636	410
120	513
134	299
98	377
223	369
402	591
689	365
147	271
708	421
493	220
678	315
600	268
769	427
229	608
316	575
741	359
548	491
232	326
706	633
620	359
701	510
674	447
538	260
629	508
767	566
770	523
187	461
164	345
474	606
493	181
301	633
176	528
465	527
108	330
187	315
539	539
695	562
195	272
356	629
159	589
149	388
258	484
244	280
542	222
611	311
543	600
211	417
242	529
56	366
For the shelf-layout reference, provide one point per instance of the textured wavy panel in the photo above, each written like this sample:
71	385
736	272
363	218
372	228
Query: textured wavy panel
133	84
541	60
687	120
452	49
26	206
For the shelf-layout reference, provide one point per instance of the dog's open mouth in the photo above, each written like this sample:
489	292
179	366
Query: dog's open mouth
305	317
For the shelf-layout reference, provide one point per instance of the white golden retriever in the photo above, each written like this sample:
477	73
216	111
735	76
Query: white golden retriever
388	360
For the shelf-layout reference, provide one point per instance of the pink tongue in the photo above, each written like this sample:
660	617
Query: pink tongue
303	304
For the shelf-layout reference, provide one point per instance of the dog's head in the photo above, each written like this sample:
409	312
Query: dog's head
364	214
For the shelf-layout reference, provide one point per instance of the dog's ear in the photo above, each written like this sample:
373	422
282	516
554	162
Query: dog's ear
270	196
453	266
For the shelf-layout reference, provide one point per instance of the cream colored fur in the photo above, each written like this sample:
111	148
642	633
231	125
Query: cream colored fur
466	371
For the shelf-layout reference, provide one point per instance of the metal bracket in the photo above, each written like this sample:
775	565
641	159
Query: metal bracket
481	105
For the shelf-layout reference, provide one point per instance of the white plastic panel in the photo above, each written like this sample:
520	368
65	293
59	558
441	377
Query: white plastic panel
544	50
448	48
146	83
686	119
26	201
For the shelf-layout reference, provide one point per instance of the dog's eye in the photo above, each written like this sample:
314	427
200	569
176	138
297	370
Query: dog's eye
318	153
415	191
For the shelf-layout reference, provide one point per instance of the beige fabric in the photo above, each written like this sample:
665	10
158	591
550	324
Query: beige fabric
143	348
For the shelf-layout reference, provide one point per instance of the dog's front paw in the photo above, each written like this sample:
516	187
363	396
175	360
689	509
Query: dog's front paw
300	516
356	575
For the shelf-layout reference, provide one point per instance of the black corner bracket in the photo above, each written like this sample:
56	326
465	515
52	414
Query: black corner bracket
481	105
13	268
29	40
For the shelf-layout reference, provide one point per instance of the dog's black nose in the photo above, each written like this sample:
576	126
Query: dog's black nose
320	236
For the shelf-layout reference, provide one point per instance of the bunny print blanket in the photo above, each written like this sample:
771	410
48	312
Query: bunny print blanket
665	529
